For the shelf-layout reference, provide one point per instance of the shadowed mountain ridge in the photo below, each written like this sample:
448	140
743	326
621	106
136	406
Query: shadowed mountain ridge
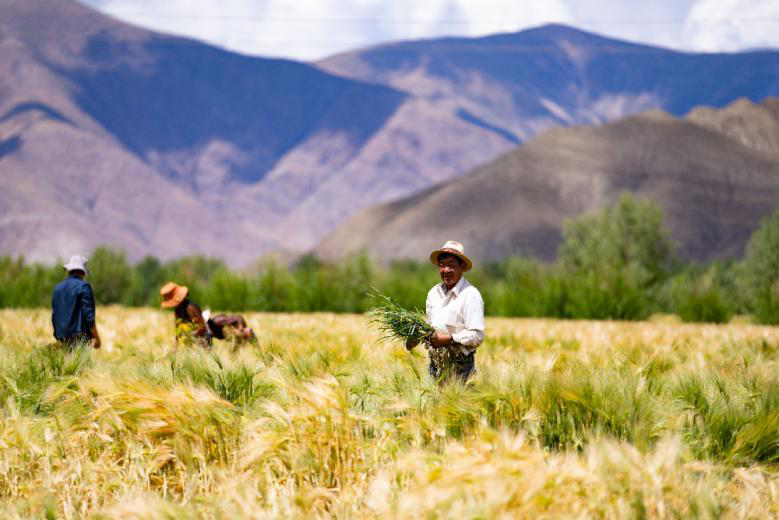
558	75
714	181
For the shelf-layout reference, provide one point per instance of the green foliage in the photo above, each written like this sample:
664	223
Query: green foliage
24	285
523	287
407	282
759	271
617	264
149	277
274	289
702	296
111	277
629	235
195	272
618	294
613	258
227	291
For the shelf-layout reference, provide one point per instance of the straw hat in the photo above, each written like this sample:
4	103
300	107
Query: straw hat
76	263
453	248
173	294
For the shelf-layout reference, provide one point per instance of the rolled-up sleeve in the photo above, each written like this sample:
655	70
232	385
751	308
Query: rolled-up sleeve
88	305
473	315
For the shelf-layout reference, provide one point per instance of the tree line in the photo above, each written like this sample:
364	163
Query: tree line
616	264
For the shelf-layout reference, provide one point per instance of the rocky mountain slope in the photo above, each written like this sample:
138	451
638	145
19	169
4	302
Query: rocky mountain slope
110	134
715	172
522	83
115	135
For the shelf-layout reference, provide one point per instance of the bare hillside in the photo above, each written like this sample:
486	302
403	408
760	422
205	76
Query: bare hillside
716	173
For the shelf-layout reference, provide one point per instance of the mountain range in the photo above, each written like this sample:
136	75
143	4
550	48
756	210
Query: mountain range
715	174
111	134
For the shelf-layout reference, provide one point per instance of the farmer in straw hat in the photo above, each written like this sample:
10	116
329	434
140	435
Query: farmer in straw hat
189	317
73	307
456	311
205	327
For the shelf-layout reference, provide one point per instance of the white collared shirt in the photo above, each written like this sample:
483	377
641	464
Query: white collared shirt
459	312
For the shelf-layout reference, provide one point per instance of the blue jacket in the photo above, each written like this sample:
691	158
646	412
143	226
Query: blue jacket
72	308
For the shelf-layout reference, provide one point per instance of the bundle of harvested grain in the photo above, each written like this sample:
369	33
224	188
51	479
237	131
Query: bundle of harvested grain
397	322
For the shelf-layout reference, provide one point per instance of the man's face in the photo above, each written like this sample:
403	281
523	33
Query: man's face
450	270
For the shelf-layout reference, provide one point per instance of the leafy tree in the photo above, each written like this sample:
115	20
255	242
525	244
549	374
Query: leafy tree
24	285
275	286
630	233
195	272
759	271
110	275
149	277
226	291
613	258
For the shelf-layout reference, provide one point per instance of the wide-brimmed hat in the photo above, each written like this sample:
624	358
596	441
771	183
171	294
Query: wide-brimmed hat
76	263
453	248
173	294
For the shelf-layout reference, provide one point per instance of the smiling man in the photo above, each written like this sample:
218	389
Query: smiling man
456	311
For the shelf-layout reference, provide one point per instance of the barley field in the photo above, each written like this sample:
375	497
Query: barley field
320	419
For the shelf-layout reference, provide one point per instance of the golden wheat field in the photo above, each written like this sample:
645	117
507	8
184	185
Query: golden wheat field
320	419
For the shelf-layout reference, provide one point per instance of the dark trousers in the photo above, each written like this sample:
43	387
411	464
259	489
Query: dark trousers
452	365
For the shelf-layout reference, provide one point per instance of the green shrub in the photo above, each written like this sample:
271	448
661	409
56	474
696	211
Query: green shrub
701	296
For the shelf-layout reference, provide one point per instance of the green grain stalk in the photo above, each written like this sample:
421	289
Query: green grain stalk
398	323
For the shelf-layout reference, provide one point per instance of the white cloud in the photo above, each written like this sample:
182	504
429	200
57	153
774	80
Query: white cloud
729	25
658	22
491	16
310	29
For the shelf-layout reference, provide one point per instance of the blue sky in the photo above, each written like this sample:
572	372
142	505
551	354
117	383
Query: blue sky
312	29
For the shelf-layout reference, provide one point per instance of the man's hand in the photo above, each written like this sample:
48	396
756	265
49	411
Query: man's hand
440	339
95	336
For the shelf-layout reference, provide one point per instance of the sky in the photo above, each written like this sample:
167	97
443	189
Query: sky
313	29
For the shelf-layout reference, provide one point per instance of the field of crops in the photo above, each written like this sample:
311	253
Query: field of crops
572	419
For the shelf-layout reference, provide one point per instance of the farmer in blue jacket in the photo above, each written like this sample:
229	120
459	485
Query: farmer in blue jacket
73	307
